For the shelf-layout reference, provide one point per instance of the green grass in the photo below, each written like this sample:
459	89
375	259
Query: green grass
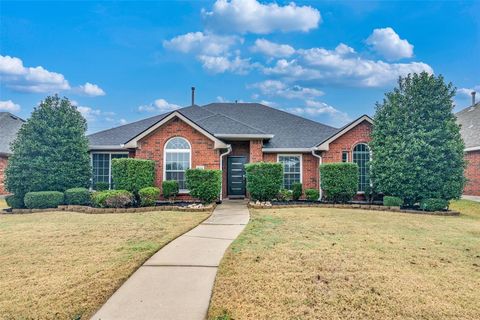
319	263
64	265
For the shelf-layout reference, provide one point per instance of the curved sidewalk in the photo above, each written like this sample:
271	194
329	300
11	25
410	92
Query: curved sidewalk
177	281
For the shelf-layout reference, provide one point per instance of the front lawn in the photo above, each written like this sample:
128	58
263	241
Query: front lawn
62	265
316	263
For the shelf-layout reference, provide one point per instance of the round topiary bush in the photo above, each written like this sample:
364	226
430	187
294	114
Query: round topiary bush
77	196
43	199
390	201
15	202
312	194
112	199
148	196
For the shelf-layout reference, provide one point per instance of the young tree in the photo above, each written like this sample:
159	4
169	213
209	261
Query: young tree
50	152
416	143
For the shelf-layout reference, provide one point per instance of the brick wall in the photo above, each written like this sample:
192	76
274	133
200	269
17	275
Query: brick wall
3	166
256	153
152	147
360	133
310	171
472	173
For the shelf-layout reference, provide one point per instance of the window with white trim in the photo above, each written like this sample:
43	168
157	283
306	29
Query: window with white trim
102	166
292	170
361	156
177	160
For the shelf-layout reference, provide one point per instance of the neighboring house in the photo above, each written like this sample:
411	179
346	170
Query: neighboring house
469	119
9	126
228	135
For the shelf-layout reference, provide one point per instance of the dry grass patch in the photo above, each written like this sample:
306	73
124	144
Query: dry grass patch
62	265
319	263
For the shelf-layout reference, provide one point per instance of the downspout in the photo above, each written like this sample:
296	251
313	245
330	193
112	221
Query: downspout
229	149
319	163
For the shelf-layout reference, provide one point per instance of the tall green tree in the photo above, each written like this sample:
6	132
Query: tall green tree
416	143
50	152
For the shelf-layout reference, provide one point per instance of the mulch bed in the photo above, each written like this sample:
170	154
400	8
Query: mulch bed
87	209
377	207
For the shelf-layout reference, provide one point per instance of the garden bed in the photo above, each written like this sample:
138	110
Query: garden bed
92	210
356	205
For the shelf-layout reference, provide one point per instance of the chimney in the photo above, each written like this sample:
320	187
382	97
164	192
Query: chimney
193	96
473	98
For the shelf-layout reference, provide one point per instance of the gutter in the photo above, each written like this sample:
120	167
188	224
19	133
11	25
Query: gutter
320	160
229	149
472	149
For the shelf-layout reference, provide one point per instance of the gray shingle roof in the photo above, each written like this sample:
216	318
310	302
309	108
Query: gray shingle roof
290	131
9	126
469	119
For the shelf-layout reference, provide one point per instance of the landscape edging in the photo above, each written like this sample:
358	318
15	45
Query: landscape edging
253	205
92	210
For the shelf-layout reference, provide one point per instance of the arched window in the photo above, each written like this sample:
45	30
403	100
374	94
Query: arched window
177	160
361	156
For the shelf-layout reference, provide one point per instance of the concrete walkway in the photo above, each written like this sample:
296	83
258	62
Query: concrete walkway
177	281
473	198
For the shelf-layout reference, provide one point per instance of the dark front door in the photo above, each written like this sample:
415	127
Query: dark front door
236	176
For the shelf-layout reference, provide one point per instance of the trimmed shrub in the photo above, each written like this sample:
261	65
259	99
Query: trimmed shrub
264	180
389	201
284	195
339	181
148	196
433	204
15	202
296	191
77	196
43	199
204	184
101	186
170	189
312	194
133	174
112	199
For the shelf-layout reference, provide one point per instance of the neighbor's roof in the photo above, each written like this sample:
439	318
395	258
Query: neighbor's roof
9	126
220	119
469	119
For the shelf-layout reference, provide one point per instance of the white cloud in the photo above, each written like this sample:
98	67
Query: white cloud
9	106
88	113
122	121
30	79
251	16
91	90
221	64
342	66
280	89
272	49
467	92
159	105
316	108
202	43
387	43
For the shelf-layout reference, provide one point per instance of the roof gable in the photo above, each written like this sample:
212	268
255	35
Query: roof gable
324	145
469	120
9	126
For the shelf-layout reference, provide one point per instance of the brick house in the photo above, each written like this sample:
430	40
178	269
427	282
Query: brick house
226	136
9	126
469	119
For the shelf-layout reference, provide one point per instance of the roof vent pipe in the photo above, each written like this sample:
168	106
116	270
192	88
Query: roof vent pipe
193	96
473	98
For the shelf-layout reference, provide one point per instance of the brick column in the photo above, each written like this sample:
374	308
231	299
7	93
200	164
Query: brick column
256	153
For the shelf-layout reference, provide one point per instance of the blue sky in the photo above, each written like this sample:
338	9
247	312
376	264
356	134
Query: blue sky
326	60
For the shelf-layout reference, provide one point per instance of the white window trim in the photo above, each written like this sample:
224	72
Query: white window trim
292	155
179	151
369	159
109	164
